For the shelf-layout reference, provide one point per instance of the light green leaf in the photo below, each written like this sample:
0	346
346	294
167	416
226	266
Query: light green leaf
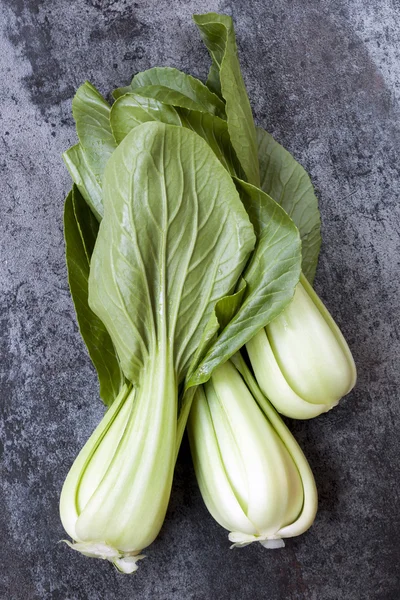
174	240
219	36
80	231
84	179
92	116
176	88
132	110
271	277
171	97
285	180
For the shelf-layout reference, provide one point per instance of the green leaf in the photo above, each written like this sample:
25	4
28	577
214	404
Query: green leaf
132	110
215	132
80	231
83	177
219	36
271	277
176	88
224	311
92	116
174	240
227	307
285	180
213	80
171	97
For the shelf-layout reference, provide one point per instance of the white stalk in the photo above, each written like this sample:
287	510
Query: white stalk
116	494
301	359
249	468
308	511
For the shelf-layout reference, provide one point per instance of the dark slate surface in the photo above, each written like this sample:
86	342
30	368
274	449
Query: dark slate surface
324	79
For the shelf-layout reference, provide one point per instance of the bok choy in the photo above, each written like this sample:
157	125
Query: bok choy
187	231
301	360
174	239
253	476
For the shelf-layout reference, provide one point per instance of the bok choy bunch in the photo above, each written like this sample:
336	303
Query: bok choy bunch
187	229
253	476
174	239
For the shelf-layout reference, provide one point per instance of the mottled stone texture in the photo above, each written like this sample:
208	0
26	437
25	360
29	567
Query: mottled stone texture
323	77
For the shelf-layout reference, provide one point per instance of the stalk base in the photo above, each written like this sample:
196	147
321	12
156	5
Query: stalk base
125	562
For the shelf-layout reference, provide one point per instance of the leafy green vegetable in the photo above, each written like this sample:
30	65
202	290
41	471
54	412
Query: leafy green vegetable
270	278
177	284
176	88
131	110
84	179
303	335
80	230
253	476
285	180
219	36
92	116
174	240
215	132
86	161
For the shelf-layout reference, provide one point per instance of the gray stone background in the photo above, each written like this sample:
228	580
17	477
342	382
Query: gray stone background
324	78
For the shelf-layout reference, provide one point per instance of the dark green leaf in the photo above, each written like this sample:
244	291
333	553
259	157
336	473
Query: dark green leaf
285	180
271	277
219	36
80	230
213	80
215	132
